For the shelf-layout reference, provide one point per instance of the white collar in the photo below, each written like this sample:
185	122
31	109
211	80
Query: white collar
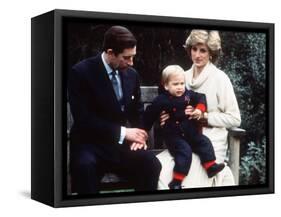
107	67
202	77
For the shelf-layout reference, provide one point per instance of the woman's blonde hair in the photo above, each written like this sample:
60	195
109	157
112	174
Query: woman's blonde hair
169	71
210	38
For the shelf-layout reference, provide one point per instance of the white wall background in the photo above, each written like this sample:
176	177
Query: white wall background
15	106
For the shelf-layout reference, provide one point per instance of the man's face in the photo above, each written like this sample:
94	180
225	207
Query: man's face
123	60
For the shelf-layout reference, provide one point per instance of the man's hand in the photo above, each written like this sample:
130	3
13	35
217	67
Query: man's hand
136	135
164	116
135	146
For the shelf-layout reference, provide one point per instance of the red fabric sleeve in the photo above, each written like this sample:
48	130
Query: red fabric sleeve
201	107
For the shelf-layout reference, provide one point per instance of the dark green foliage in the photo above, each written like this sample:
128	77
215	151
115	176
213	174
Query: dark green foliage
243	60
253	164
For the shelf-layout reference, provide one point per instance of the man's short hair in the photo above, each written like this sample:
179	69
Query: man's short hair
118	38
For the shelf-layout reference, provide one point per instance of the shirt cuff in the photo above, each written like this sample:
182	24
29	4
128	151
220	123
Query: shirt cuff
122	135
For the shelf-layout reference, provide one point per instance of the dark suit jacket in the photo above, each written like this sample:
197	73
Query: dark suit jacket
96	111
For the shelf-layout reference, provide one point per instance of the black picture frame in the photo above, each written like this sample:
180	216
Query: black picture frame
49	110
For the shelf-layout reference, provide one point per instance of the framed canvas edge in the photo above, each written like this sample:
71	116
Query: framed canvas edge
60	201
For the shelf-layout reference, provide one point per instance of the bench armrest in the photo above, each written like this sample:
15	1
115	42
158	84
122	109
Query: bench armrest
234	136
236	132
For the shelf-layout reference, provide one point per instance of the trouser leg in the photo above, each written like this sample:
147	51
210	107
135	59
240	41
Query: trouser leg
203	147
182	153
141	167
84	170
200	144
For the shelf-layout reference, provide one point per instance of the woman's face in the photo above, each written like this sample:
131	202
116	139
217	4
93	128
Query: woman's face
200	55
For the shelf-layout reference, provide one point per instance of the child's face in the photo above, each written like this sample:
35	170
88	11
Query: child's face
176	85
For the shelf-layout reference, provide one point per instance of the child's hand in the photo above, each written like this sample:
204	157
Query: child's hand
188	110
196	114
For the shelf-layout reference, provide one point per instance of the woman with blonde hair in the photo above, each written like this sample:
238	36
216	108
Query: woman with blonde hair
204	48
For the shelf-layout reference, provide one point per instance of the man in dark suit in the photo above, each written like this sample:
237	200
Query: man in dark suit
104	96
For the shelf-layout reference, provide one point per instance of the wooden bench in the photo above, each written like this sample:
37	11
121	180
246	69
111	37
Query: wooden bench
111	182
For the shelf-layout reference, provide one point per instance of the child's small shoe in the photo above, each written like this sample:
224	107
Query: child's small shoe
215	169
175	184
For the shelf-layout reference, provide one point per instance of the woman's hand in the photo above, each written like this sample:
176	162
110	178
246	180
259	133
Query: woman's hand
196	114
204	120
164	116
193	113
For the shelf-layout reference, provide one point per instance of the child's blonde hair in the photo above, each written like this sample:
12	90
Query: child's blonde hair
169	71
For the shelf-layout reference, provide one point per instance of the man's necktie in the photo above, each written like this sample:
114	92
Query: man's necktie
115	84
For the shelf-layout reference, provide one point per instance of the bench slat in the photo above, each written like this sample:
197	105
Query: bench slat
148	93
